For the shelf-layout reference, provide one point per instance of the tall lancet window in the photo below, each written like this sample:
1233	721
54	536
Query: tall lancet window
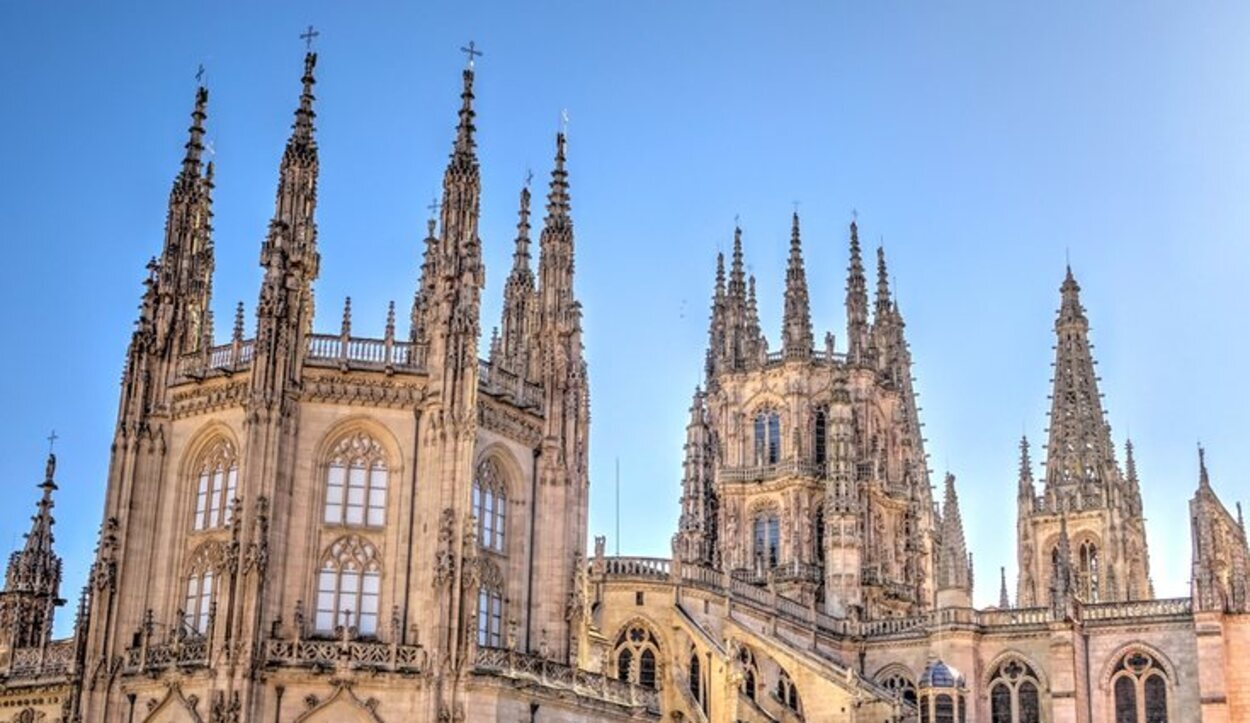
1087	571
348	587
216	483
819	441
1139	688
490	506
767	438
1014	694
767	538
490	602
202	581
356	480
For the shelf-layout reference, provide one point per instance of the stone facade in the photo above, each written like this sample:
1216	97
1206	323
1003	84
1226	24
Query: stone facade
312	527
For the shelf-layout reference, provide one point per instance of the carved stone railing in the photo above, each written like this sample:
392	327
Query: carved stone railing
497	381
1013	616
52	660
765	472
349	352
550	674
1137	609
797	571
358	654
221	359
649	567
185	653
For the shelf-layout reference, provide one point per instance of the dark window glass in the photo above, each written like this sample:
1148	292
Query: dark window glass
623	662
646	669
1030	710
820	436
1000	704
1125	701
761	440
1156	700
695	681
944	709
774	438
924	709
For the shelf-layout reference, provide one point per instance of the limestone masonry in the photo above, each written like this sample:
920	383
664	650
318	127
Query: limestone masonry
319	527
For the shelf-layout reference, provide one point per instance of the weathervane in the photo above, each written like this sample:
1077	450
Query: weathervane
471	52
308	36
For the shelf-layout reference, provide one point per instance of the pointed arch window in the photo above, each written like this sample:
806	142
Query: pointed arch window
216	485
767	529
1014	696
1087	571
356	481
490	505
767	438
636	656
695	675
349	584
202	581
750	672
820	441
787	692
1140	690
901	686
490	602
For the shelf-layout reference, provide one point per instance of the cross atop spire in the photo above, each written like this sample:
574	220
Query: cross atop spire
304	115
52	437
471	53
308	36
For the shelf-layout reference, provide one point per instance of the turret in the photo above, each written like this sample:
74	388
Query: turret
796	324
696	530
856	303
32	582
954	573
1221	560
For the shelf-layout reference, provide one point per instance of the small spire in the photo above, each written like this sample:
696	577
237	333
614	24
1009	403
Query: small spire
1004	602
737	287
237	335
390	320
1130	462
494	345
856	301
1241	521
195	143
883	287
346	329
465	129
720	275
521	256
953	568
558	196
797	322
305	114
1204	481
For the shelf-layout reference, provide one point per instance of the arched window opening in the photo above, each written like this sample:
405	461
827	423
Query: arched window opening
348	586
787	692
356	480
1087	571
490	502
818	537
767	530
944	709
750	672
203	579
637	643
767	438
1014	693
696	682
217	476
1140	690
490	602
819	443
901	686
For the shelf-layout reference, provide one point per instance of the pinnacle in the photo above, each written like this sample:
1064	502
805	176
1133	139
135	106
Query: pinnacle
558	195
465	129
303	128
883	287
521	256
195	143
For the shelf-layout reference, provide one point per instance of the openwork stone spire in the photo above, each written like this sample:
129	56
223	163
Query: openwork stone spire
1080	457
1221	560
856	303
519	302
796	331
696	536
32	581
953	569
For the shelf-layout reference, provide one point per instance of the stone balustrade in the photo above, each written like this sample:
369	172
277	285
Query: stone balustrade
1167	607
766	472
550	674
55	659
355	654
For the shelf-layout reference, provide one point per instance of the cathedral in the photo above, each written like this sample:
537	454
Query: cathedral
306	526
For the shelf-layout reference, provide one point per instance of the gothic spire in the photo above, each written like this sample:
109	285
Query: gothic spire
33	578
737	281
195	141
558	195
856	302
1079	452
521	254
796	332
518	296
1026	468
1004	602
753	334
304	115
1204	481
884	307
953	569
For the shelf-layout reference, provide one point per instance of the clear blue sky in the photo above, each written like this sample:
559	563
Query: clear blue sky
981	142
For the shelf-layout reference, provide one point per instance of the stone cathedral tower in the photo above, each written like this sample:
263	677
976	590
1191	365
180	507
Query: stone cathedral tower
805	470
1088	506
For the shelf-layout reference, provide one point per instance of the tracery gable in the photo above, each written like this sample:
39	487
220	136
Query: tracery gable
174	708
343	706
1157	656
991	668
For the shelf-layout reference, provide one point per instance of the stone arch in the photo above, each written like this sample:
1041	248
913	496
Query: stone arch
355	423
202	441
895	668
1160	658
512	472
213	439
343	706
174	708
987	673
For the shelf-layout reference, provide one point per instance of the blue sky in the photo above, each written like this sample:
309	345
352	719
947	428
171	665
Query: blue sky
983	143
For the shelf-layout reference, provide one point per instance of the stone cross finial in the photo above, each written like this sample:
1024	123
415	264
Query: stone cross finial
471	53
199	74
308	36
52	437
